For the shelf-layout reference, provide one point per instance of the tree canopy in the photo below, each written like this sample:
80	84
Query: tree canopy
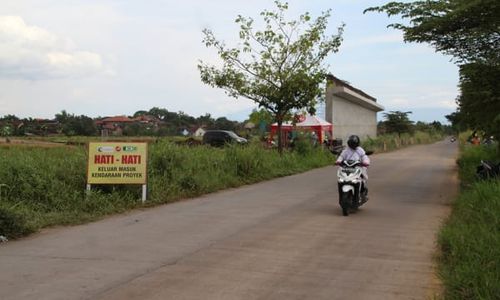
469	30
280	67
479	101
398	122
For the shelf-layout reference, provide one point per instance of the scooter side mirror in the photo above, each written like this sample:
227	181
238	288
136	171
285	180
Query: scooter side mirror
369	152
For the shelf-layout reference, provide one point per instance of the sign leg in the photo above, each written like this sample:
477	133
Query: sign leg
87	190
144	192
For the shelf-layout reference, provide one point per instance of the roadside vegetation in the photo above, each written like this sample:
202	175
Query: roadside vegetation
389	142
469	263
46	186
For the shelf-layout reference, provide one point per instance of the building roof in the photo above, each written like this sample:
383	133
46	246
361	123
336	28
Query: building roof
341	82
117	119
147	118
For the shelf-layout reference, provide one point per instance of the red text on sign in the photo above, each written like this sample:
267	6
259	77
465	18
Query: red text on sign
104	159
131	159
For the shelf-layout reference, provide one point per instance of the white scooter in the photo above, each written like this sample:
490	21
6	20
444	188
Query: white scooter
351	183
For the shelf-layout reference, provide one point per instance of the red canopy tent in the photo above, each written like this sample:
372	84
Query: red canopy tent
308	123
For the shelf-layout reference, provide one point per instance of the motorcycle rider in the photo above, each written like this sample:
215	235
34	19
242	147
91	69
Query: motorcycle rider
355	152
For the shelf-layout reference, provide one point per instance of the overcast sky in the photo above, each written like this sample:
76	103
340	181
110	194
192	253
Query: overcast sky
114	57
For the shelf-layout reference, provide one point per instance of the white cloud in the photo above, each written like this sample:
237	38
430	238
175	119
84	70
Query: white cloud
393	37
30	52
428	97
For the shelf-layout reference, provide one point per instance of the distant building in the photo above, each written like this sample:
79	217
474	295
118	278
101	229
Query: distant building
113	125
149	120
199	132
350	110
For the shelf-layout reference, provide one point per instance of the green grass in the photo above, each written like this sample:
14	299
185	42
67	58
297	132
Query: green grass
43	187
470	158
469	262
46	186
389	142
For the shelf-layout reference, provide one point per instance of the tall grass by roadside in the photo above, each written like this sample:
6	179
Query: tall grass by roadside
42	187
388	142
470	158
469	263
45	186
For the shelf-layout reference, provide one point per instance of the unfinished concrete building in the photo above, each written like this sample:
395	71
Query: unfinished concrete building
350	110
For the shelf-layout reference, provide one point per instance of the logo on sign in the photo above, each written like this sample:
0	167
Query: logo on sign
129	148
105	149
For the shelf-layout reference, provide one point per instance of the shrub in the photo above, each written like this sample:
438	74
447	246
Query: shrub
13	224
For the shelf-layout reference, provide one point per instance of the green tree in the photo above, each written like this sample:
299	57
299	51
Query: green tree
140	113
479	102
457	122
261	118
9	118
160	113
6	130
466	29
76	125
224	123
469	30
398	122
205	120
279	67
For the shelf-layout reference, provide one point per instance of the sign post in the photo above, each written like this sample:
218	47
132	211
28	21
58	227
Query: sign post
117	163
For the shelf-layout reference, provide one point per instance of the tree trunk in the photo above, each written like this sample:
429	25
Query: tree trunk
280	136
497	140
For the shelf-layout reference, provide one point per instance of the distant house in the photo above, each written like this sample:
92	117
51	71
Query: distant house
113	125
350	110
148	119
41	126
199	132
150	122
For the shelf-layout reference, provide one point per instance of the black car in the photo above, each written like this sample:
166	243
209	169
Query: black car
222	137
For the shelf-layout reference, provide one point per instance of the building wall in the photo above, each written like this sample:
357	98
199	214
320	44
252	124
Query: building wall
349	118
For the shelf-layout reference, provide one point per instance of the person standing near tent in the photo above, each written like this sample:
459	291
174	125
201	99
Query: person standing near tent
314	138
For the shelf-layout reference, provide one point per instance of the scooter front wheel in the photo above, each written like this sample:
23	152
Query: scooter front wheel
345	203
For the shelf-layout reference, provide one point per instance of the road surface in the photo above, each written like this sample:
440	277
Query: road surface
281	239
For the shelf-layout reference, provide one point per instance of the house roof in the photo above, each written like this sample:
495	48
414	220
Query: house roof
117	119
146	118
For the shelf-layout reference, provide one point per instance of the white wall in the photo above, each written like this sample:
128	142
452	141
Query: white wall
349	118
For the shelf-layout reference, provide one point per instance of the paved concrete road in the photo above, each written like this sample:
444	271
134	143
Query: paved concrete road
281	239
